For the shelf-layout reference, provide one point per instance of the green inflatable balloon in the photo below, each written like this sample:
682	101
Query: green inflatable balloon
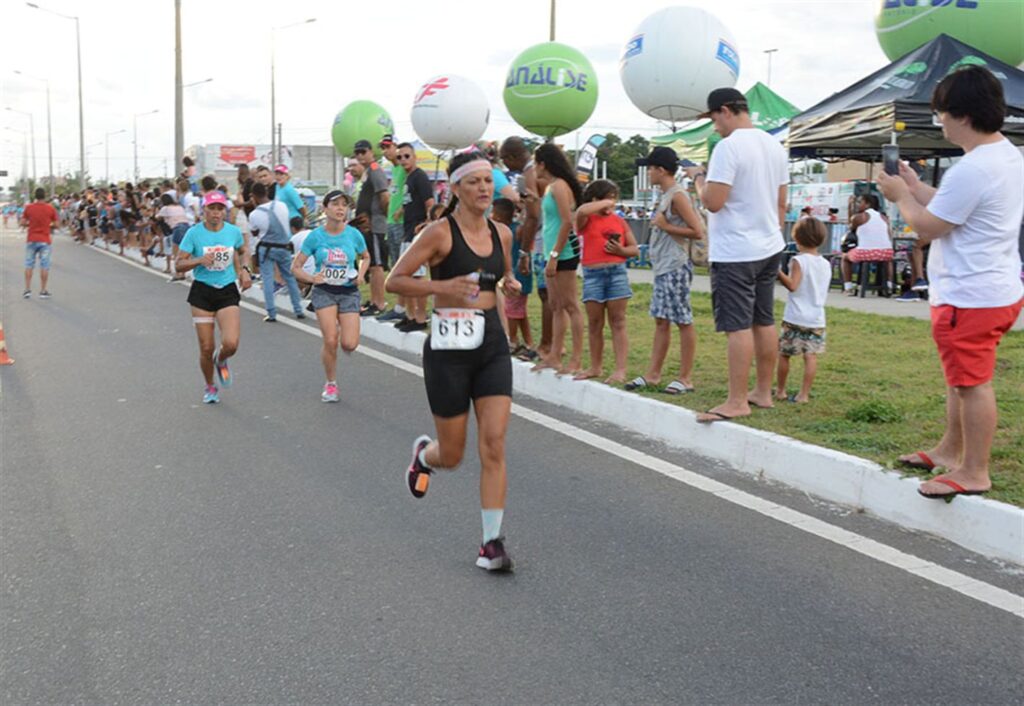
551	89
360	120
995	27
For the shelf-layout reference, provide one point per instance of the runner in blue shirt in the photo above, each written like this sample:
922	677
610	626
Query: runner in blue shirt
342	260
213	249
286	193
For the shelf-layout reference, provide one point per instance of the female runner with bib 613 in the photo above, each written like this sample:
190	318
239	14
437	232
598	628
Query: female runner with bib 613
466	356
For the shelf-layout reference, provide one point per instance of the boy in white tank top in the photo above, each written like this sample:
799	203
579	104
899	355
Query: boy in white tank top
803	321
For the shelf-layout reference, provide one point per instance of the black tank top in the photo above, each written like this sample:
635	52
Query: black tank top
463	261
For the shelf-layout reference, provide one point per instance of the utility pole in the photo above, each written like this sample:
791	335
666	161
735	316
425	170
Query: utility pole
769	52
179	112
49	130
552	37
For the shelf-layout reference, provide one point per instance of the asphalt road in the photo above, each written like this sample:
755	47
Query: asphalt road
265	550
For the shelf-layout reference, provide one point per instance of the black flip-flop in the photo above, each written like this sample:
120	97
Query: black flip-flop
720	418
948	497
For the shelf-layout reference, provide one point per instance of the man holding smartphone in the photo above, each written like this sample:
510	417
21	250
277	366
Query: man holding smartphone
975	292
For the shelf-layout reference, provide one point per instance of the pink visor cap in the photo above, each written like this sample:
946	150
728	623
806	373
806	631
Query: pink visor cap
215	196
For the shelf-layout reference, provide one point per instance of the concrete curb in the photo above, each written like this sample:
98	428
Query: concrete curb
985	526
988	527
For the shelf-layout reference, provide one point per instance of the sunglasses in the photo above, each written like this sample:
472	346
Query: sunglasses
362	151
402	157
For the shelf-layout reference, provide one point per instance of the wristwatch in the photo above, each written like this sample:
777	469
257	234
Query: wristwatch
554	254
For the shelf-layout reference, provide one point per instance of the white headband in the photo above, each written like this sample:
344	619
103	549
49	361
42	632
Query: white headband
460	173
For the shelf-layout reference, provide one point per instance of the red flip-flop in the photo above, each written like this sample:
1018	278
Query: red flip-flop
957	488
925	463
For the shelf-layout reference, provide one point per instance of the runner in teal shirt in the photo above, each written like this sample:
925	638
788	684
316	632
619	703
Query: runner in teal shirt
223	244
336	256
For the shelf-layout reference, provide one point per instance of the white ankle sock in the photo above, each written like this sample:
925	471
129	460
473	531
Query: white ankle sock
492	523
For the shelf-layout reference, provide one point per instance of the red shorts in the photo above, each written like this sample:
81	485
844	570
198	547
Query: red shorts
870	255
967	340
515	307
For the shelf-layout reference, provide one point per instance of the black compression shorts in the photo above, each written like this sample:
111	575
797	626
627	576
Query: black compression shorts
454	378
203	296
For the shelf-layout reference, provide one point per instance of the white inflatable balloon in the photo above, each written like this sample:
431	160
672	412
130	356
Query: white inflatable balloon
450	112
674	59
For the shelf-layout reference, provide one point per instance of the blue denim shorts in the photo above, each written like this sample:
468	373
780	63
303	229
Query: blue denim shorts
345	298
42	250
604	284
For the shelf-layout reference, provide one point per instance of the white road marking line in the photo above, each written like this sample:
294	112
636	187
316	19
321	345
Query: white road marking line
922	568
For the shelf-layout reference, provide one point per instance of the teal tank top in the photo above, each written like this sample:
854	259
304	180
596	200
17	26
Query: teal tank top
552	224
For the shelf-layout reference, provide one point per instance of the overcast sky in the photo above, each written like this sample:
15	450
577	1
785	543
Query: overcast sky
377	50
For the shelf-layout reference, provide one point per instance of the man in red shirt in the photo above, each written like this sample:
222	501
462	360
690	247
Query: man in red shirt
39	217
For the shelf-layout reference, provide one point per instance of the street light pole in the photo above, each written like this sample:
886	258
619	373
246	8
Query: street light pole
81	103
179	111
81	109
31	137
24	150
135	139
106	153
49	130
274	147
769	52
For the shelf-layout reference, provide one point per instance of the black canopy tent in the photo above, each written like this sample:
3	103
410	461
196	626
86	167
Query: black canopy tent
855	122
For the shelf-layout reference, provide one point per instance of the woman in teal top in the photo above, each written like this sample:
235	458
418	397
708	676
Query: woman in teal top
342	259
561	247
214	250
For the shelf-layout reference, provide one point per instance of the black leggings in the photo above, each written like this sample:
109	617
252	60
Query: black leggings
453	378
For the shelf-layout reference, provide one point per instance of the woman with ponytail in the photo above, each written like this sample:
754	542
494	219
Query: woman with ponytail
562	251
466	356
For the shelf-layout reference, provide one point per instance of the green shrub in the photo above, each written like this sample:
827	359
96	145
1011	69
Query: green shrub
875	412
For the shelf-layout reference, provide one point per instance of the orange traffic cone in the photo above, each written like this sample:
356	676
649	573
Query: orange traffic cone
4	358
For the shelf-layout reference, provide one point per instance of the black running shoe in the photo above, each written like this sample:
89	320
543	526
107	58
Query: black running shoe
493	556
418	475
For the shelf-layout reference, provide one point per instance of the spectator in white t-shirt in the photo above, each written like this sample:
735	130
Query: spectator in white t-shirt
974	267
745	193
299	233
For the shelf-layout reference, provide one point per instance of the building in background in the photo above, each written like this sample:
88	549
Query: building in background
316	166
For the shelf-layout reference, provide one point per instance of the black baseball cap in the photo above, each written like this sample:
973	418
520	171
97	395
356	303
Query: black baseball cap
664	157
721	97
363	145
332	195
386	140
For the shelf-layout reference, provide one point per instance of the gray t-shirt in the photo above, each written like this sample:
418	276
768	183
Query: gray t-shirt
666	254
377	182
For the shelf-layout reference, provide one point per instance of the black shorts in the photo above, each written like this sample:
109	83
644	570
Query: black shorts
377	244
743	293
453	378
203	296
569	265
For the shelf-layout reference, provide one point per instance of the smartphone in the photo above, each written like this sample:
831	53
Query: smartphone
891	159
